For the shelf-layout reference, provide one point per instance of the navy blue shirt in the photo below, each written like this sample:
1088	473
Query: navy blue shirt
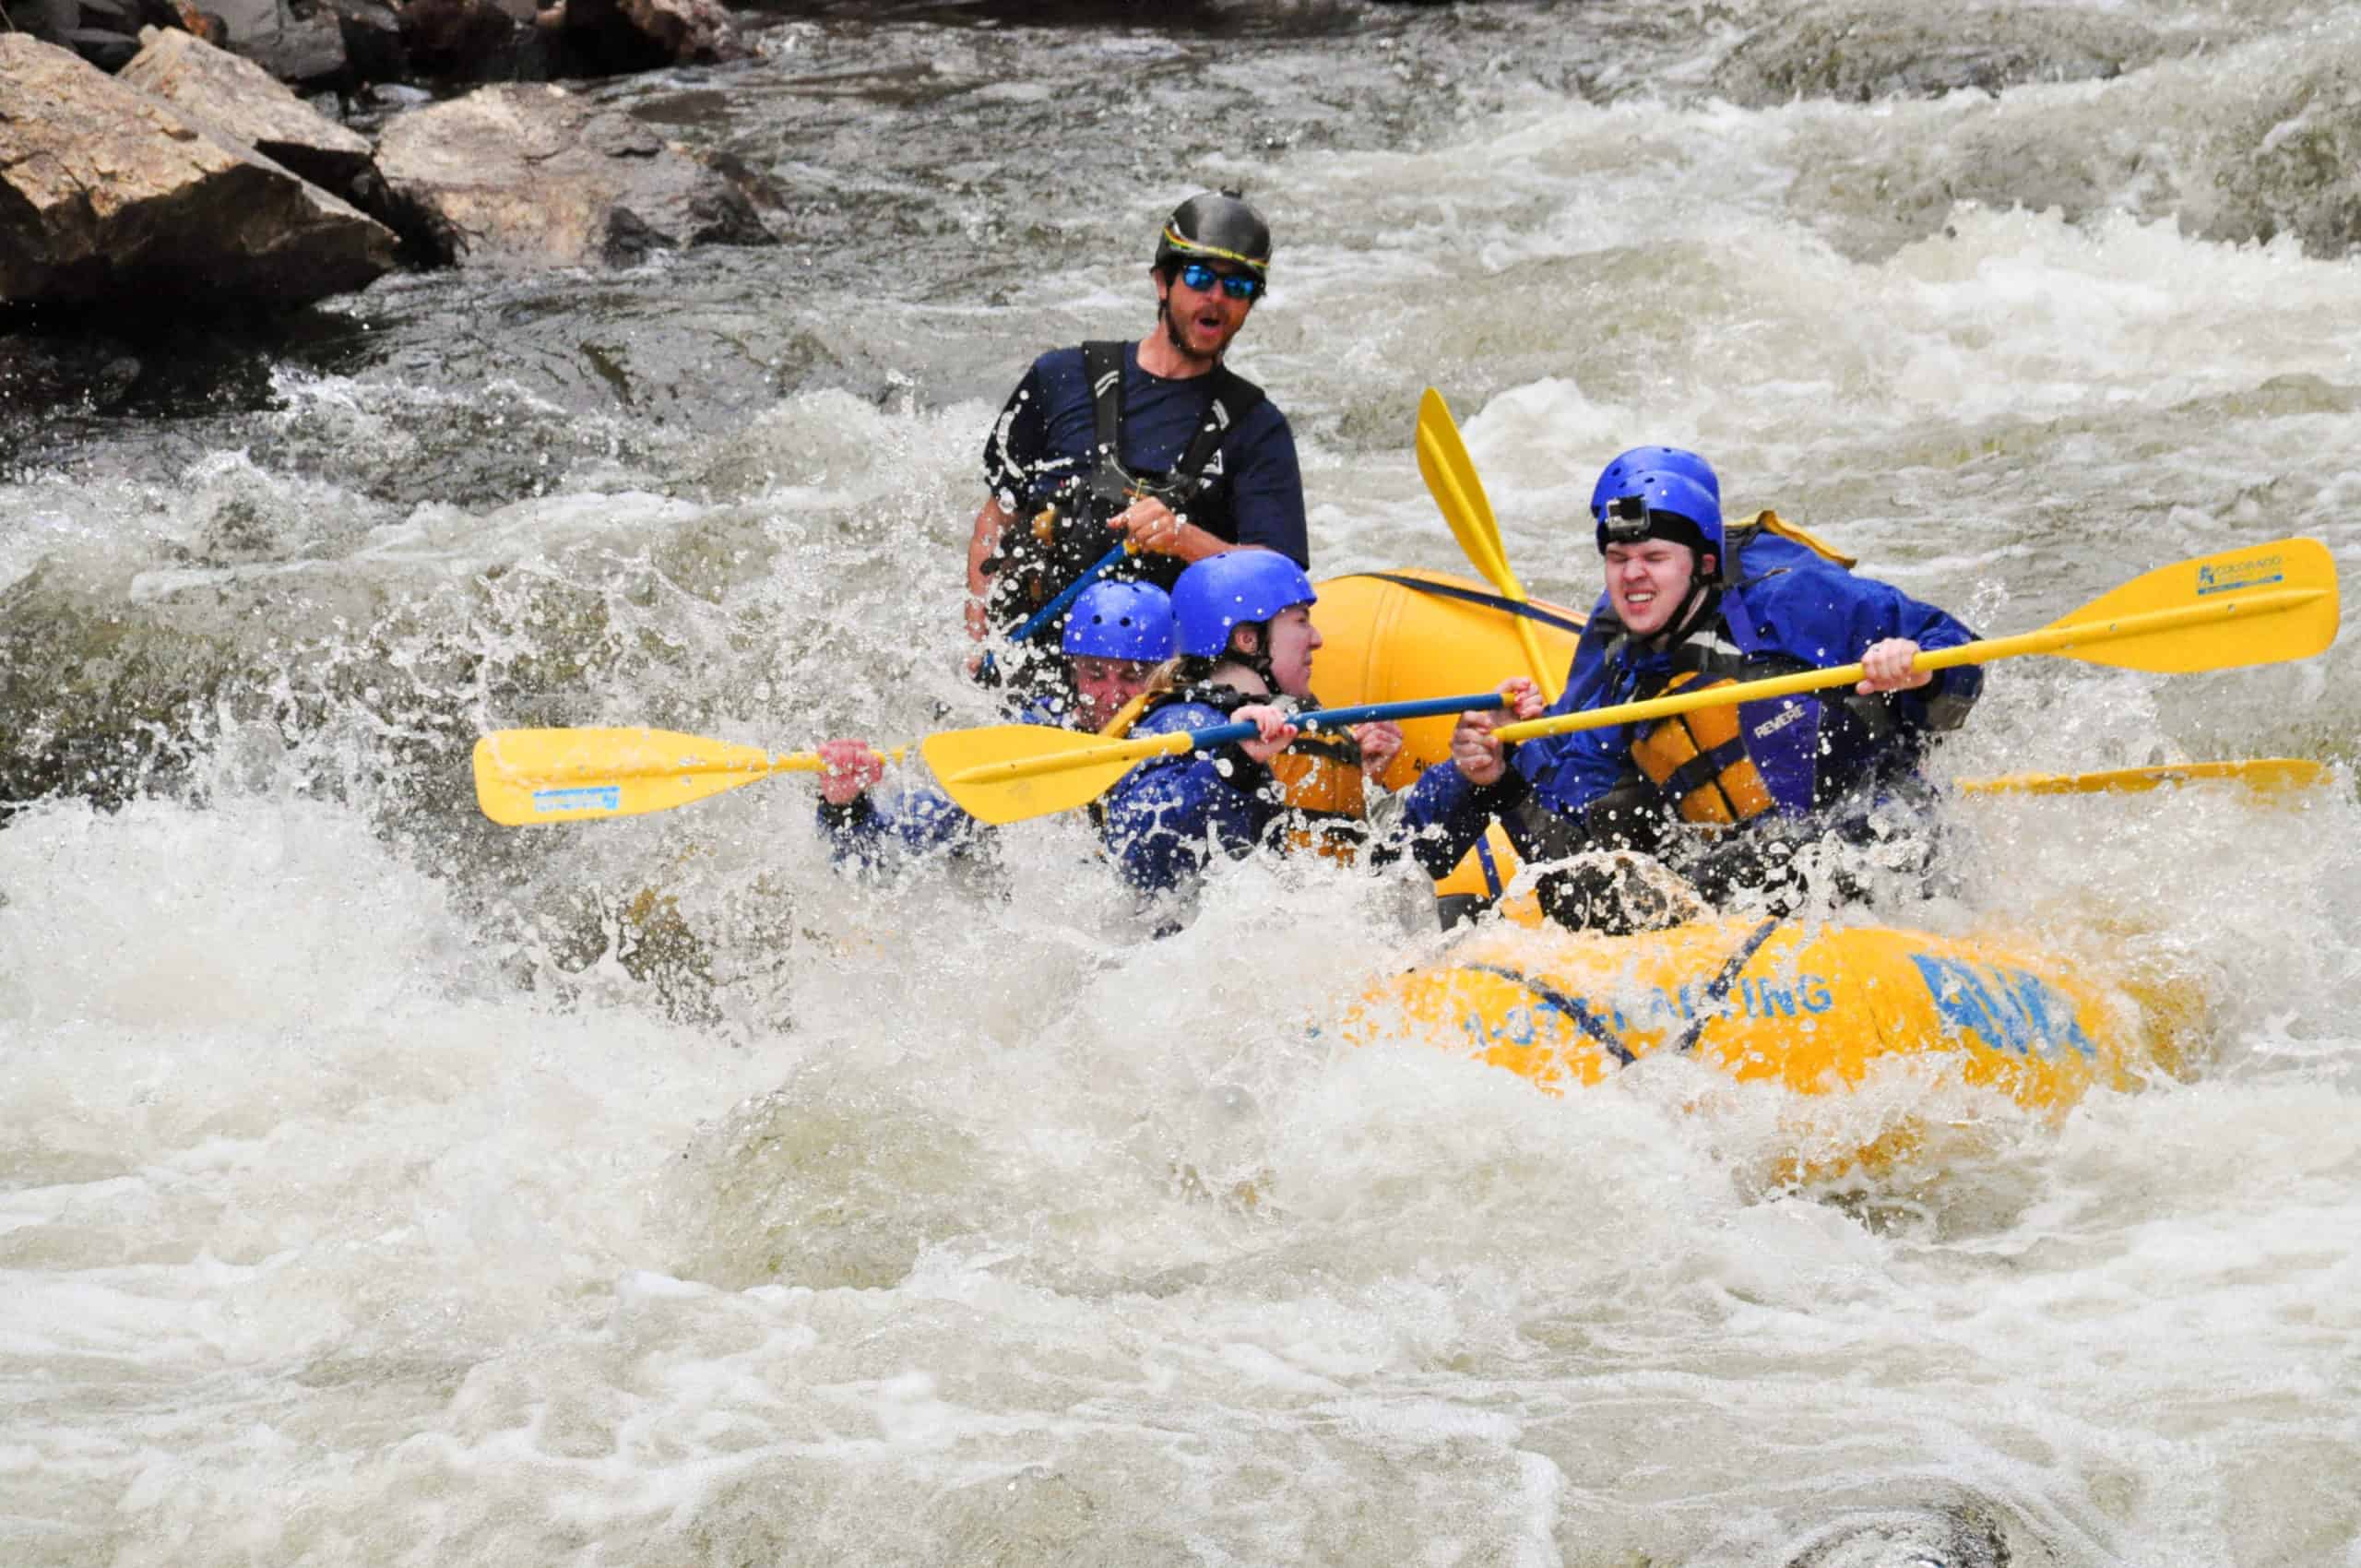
1045	433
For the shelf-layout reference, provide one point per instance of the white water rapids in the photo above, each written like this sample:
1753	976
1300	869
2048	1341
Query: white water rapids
378	1187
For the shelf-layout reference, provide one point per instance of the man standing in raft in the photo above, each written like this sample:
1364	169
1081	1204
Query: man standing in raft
1727	796
1155	446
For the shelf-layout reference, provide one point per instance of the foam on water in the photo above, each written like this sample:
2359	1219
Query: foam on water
377	1186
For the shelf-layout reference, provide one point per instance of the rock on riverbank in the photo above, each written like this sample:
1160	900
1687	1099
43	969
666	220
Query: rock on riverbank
110	193
536	176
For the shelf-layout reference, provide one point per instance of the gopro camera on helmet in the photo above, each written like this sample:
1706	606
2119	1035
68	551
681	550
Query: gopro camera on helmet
1626	521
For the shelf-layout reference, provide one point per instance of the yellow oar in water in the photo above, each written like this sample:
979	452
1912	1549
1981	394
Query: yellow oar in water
2262	775
2262	604
525	777
1452	480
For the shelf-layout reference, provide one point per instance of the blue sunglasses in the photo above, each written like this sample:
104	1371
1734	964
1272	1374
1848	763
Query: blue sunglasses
1201	277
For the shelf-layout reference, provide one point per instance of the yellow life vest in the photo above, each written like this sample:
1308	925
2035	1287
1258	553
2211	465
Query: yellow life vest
1767	521
1699	760
1320	777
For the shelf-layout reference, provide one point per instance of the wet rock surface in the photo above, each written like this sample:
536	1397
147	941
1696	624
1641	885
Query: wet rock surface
296	41
239	99
108	193
537	176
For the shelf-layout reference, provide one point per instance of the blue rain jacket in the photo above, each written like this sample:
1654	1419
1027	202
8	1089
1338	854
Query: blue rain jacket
1162	820
1790	606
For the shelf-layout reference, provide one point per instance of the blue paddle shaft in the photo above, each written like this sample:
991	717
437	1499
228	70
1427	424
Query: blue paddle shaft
1343	717
1072	591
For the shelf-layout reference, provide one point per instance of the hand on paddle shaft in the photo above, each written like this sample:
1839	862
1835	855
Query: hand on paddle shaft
1275	731
848	769
1892	666
1475	751
1151	528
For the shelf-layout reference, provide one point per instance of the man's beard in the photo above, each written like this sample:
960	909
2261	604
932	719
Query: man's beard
1174	336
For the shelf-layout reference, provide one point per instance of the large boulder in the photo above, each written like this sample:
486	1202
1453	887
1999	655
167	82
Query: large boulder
237	96
537	176
110	194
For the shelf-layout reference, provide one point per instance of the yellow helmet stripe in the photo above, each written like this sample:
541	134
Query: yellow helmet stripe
1197	248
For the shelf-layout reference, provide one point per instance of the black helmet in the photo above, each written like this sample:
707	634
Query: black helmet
1216	227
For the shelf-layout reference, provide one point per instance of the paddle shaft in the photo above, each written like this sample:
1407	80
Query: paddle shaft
2049	639
1067	595
988	672
1175	742
2262	775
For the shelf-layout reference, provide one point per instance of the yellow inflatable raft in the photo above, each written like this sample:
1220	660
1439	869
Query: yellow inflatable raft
1815	1008
1403	636
1819	1009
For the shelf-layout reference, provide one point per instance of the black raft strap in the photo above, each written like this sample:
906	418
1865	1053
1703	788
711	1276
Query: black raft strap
1476	596
1571	1008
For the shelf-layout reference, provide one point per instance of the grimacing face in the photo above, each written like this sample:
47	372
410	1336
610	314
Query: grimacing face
1647	581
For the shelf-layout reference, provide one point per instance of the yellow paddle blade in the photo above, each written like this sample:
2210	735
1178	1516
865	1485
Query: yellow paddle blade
2284	629
525	777
2261	605
1004	773
1452	480
2262	775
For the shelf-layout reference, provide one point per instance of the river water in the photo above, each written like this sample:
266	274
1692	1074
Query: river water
382	1187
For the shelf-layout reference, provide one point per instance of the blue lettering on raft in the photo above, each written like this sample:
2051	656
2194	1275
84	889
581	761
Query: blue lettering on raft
593	798
1565	1013
2008	1009
1761	999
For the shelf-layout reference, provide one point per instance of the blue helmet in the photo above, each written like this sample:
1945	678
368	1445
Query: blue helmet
1241	587
1651	459
1655	504
1120	621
